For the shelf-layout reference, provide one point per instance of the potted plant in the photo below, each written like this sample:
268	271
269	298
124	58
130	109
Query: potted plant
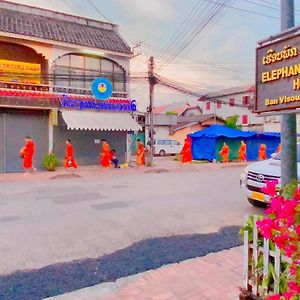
50	161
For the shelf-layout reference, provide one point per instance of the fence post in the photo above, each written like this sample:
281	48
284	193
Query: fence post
255	254
277	269
246	255
266	253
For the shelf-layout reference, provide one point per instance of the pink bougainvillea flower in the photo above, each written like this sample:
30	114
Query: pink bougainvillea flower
290	221
276	205
270	188
281	240
290	250
274	297
297	229
288	295
294	287
288	209
297	194
266	226
293	270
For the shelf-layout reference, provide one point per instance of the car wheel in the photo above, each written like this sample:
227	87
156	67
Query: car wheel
256	203
162	153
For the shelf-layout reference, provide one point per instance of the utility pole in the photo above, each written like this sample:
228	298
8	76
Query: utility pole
288	122
152	82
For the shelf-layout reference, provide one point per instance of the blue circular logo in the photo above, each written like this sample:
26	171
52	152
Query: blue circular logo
102	88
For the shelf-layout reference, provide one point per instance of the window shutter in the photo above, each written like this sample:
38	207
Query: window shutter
231	102
245	100
245	119
207	105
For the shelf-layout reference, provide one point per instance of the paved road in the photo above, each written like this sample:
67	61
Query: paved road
49	221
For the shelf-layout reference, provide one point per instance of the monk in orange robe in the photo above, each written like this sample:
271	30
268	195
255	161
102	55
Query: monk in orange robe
262	152
27	153
242	151
278	149
140	153
186	152
105	155
224	153
69	158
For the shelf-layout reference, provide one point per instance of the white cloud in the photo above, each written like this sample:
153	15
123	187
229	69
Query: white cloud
155	9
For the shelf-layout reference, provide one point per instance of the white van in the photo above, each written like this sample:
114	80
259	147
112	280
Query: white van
164	147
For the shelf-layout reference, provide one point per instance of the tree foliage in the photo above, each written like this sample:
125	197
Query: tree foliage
232	122
171	113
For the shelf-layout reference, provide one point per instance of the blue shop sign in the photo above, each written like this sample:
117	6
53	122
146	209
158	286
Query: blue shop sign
110	104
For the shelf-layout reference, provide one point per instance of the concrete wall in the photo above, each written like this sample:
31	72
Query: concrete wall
162	131
180	135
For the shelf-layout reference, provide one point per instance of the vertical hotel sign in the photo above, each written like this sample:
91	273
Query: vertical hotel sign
20	72
278	75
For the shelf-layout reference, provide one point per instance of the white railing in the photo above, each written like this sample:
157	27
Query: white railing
254	273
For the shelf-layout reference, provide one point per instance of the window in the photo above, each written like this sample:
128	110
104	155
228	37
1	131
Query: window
231	102
79	71
160	142
219	104
175	142
244	119
207	105
246	100
77	61
168	142
92	63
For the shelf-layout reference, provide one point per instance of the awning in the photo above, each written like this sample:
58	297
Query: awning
99	121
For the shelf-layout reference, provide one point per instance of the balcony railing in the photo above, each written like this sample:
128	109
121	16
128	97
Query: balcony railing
55	89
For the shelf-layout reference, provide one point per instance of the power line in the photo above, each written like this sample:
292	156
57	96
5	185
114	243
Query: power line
246	10
198	28
201	97
98	11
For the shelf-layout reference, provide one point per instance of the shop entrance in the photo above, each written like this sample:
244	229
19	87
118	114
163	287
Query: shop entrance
15	124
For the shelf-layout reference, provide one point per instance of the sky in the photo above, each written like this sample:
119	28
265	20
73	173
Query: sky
221	55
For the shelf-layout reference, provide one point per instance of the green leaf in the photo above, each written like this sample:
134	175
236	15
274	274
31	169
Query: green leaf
289	189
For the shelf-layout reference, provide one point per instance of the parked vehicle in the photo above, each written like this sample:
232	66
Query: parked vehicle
164	147
254	178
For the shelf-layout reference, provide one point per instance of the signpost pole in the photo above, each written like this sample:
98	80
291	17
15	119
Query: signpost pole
288	122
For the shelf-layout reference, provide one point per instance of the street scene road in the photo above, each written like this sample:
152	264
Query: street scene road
49	221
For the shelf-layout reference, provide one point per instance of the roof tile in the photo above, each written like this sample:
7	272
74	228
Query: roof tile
61	31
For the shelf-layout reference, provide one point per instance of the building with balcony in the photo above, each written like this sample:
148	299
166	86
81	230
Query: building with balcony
234	101
48	61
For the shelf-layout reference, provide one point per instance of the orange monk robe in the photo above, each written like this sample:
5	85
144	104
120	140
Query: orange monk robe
105	156
278	149
27	154
140	154
69	158
224	153
242	152
186	152
262	152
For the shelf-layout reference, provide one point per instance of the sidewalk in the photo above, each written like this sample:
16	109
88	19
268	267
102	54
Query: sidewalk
216	276
161	165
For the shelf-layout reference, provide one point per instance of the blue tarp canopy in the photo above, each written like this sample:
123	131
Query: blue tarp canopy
207	143
216	131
